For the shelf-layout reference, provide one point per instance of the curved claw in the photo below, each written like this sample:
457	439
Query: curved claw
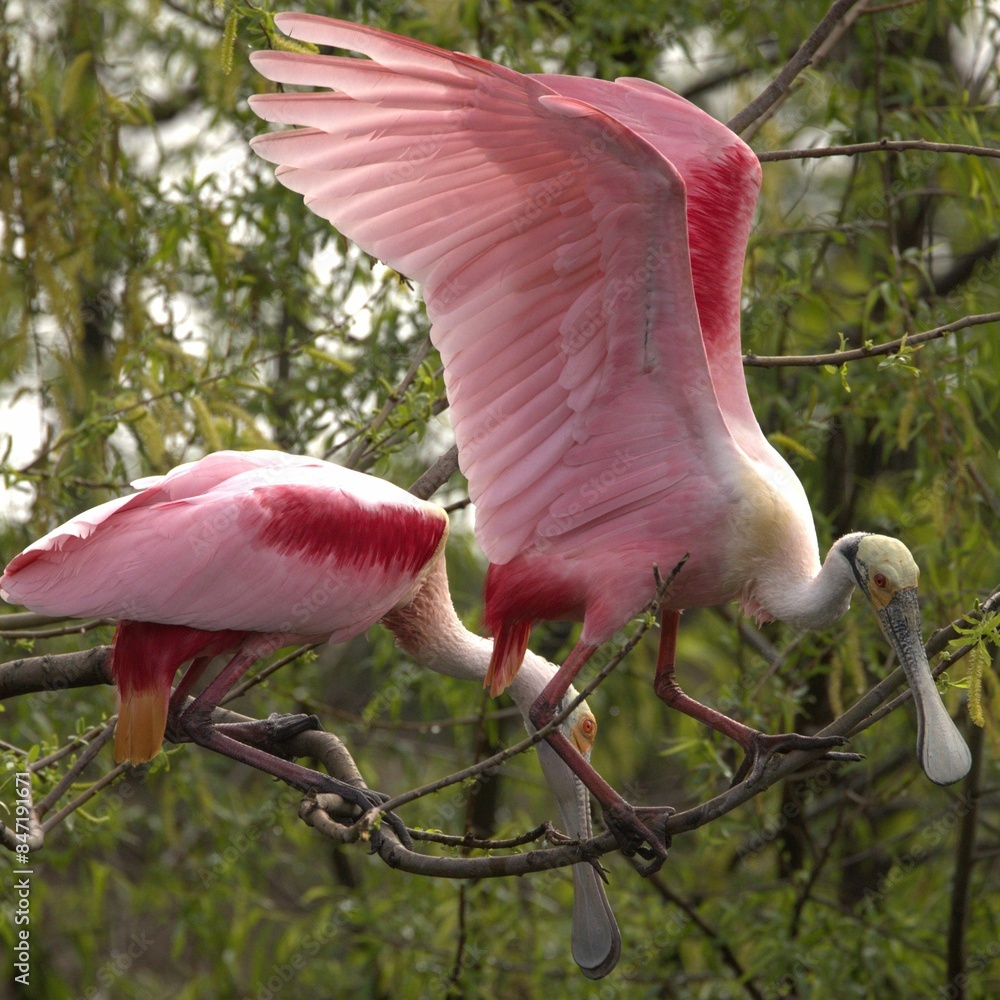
632	833
761	748
369	801
268	734
195	725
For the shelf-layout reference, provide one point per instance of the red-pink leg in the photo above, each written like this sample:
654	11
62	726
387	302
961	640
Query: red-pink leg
194	723
263	734
757	746
621	818
188	681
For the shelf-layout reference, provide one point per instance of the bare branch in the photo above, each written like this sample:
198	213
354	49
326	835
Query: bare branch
891	347
437	475
25	619
54	673
883	145
79	766
259	676
76	628
393	400
468	842
776	90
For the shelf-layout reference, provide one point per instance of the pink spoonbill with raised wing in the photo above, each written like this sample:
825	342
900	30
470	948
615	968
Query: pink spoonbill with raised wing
245	552
580	244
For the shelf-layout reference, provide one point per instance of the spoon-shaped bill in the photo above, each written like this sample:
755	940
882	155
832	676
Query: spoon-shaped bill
943	753
597	943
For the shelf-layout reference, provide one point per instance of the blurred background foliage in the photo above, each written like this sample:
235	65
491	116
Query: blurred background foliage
161	296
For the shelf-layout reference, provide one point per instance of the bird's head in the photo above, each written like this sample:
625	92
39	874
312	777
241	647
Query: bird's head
581	728
887	575
882	566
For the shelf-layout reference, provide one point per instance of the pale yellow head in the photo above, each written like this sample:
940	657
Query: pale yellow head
884	567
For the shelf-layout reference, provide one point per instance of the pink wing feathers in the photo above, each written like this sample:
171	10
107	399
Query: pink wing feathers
722	178
551	240
296	546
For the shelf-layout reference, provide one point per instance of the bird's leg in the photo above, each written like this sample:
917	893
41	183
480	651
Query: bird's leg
621	817
194	724
264	733
757	746
180	694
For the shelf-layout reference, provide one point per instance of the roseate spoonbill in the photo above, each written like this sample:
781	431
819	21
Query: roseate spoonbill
580	245
250	551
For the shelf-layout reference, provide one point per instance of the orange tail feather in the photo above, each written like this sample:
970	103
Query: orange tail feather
509	646
142	720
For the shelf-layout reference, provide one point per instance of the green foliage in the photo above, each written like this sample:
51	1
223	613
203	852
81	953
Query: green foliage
161	296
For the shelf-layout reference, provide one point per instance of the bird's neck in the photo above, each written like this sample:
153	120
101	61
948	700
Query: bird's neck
802	599
428	628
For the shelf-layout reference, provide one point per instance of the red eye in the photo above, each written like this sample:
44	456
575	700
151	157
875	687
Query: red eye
589	727
879	580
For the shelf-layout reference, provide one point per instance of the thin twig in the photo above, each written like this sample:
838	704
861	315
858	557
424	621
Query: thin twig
518	748
409	725
85	796
261	675
80	765
26	619
498	758
802	59
468	842
77	627
882	145
394	399
873	351
85	739
452	990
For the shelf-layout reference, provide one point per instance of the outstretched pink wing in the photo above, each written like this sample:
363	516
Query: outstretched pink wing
296	546
722	177
550	232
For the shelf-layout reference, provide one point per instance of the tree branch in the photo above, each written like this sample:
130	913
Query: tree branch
437	475
327	748
891	347
776	90
883	145
54	673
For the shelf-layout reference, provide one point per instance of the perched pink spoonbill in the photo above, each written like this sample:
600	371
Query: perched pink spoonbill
245	552
580	245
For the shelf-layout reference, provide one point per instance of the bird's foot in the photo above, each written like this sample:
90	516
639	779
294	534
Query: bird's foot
196	726
368	800
269	734
635	827
760	748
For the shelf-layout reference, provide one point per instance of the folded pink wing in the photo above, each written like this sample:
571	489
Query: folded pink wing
296	546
